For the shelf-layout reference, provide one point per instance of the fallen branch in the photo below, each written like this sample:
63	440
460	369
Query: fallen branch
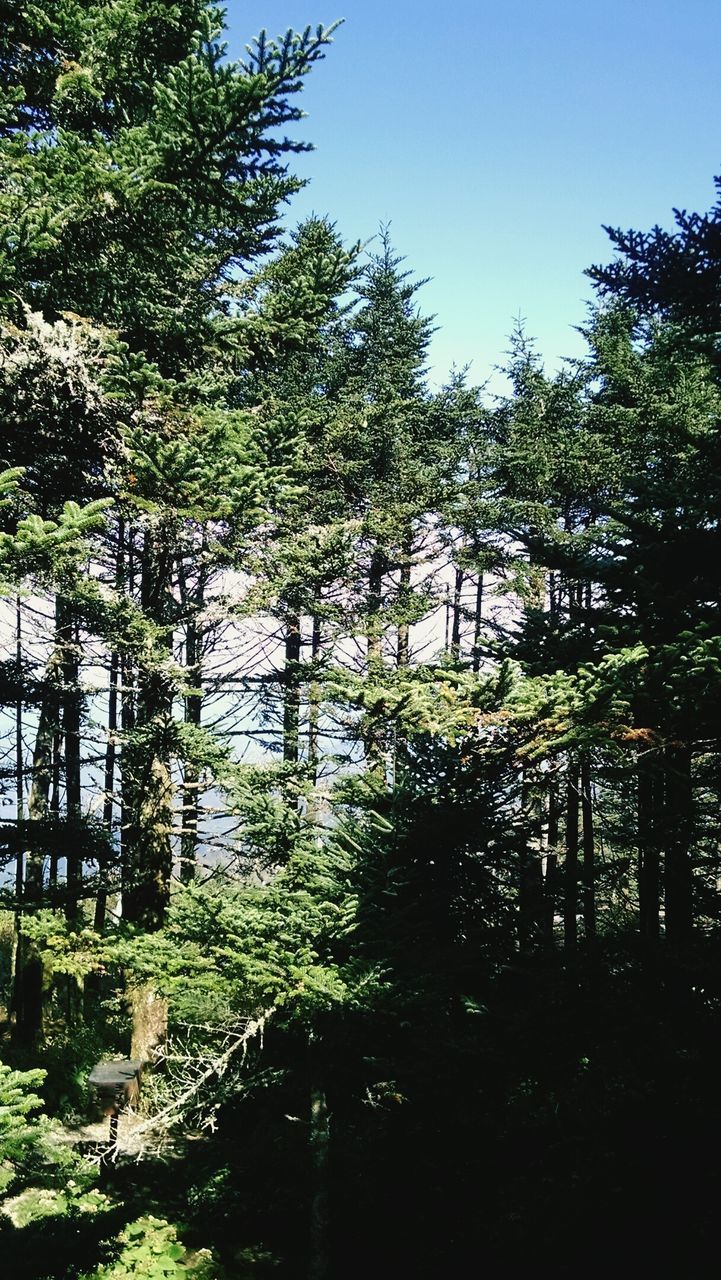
174	1111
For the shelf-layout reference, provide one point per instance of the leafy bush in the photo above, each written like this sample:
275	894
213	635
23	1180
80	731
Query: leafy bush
19	1133
34	1156
151	1251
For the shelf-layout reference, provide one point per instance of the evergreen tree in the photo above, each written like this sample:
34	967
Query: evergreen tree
138	178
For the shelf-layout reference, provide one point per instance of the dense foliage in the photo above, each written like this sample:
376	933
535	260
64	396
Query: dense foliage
361	761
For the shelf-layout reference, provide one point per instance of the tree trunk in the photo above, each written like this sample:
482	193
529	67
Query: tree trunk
19	748
319	1261
149	799
678	877
456	628
92	988
403	655
551	878
375	595
68	644
650	791
314	697
291	690
570	906
552	595
111	750
530	898
149	1016
55	810
101	901
127	725
147	781
193	713
29	967
16	974
589	874
147	789
372	730
478	615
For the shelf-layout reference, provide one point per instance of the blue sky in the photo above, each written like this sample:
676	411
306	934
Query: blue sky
497	137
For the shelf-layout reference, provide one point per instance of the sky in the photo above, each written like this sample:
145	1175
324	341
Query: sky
496	138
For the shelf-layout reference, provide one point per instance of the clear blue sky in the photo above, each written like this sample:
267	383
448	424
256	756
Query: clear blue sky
496	137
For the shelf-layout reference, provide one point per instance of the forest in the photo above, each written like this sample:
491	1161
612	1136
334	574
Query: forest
360	739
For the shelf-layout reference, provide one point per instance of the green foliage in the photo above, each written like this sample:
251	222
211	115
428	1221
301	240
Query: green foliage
18	1132
207	424
270	946
102	195
48	551
43	1173
150	1249
65	950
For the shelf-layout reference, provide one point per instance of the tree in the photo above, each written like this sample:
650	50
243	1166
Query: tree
670	274
100	217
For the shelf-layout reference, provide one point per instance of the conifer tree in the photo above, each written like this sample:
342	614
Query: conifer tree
141	170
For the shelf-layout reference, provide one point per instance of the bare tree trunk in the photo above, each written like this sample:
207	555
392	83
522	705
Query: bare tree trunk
147	781
92	986
111	749
55	809
589	880
148	802
193	714
29	998
16	968
68	644
127	724
456	628
39	798
478	617
530	898
373	732
551	879
147	790
149	799
570	906
314	695
403	655
191	773
650	791
291	690
375	592
678	827
19	750
68	660
101	901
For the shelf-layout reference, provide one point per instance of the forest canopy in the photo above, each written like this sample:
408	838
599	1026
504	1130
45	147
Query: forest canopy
361	761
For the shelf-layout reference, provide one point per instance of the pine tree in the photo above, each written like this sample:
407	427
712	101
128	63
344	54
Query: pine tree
142	170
